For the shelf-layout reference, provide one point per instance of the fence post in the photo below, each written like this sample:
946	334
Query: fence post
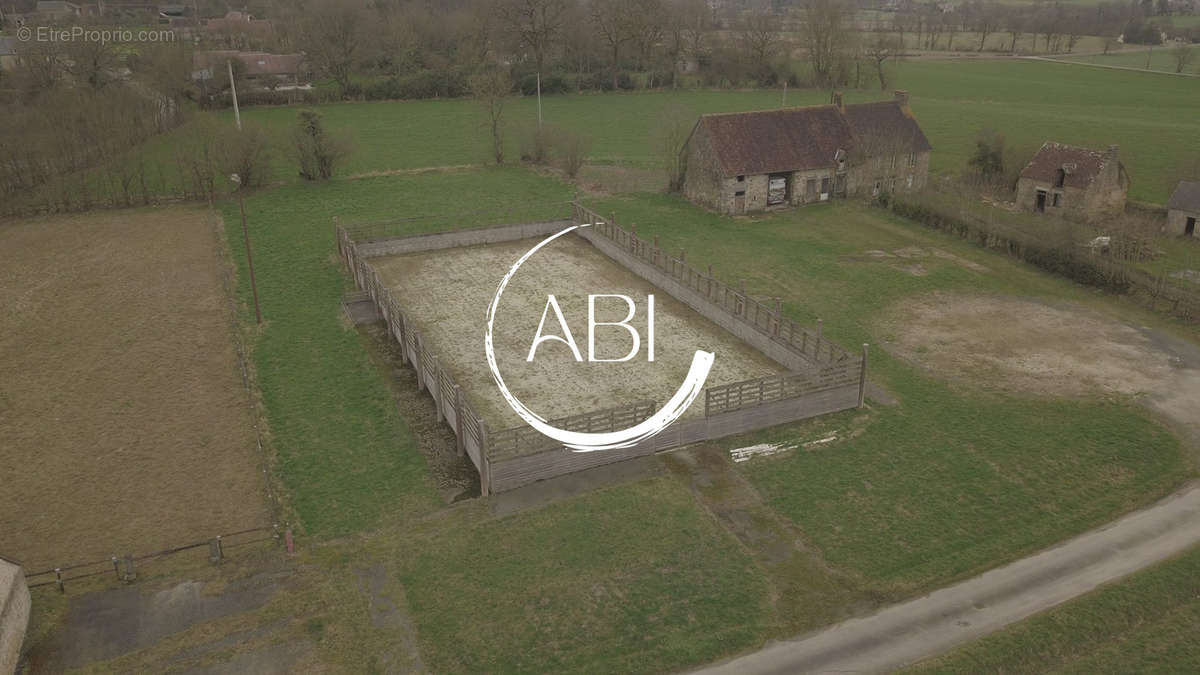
116	567
709	293
58	580
819	331
130	572
418	363
458	421
862	378
778	315
436	391
214	550
485	461
337	238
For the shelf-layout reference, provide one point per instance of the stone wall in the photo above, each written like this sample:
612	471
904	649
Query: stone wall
14	614
1177	221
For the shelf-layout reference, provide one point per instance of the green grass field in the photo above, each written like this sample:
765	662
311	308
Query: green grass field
1160	59
1028	101
1145	623
998	476
628	579
640	577
952	100
345	457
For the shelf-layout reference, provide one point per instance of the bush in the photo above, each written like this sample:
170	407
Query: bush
552	83
318	150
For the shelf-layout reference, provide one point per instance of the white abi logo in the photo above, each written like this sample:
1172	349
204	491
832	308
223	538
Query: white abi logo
691	387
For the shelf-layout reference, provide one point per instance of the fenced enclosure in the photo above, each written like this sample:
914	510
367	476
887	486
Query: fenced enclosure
821	377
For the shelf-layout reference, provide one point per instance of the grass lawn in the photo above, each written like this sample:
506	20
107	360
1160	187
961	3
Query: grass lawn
954	100
344	455
1147	622
1162	59
629	579
955	479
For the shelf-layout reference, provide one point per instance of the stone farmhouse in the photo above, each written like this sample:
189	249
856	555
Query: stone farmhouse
1073	182
1183	209
744	162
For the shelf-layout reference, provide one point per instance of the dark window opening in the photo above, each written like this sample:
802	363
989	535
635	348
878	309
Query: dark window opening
741	179
1060	177
740	193
1058	199
1041	200
824	186
1190	228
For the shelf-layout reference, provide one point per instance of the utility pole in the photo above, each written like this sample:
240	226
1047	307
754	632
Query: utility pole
249	257
237	115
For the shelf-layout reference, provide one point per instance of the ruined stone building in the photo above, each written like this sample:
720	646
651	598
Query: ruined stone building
744	162
1074	182
1183	209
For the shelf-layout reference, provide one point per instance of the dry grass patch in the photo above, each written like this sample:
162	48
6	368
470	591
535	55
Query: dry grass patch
123	417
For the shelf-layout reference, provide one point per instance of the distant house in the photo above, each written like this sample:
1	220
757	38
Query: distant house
286	69
743	162
240	22
1183	209
1074	182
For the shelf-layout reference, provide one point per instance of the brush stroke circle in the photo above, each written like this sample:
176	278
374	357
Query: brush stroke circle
693	384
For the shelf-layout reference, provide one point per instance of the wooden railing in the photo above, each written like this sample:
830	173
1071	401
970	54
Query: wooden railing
525	439
768	320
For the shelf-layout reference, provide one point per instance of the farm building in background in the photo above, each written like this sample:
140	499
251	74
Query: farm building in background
1074	182
1183	209
260	67
743	162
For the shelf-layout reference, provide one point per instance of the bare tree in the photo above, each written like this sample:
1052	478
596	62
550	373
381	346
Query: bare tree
612	20
879	51
536	24
333	32
824	32
760	41
492	86
1183	55
675	124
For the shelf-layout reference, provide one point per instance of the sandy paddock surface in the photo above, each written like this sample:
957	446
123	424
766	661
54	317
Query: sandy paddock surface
1017	344
447	294
123	421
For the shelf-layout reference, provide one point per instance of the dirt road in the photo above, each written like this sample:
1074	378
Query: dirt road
932	624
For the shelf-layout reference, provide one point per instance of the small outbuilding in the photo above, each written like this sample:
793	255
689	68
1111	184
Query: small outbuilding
743	162
1183	209
1074	182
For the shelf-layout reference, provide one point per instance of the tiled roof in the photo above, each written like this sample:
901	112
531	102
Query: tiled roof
793	139
257	63
1080	165
1186	196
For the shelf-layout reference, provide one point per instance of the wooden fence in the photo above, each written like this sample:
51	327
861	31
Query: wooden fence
825	377
125	568
768	320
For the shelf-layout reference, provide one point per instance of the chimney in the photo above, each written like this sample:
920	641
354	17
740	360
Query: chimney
901	96
836	99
